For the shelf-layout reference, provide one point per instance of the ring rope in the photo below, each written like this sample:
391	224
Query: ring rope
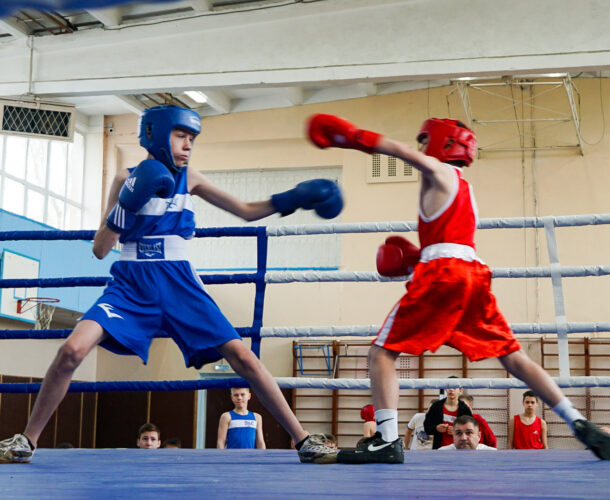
372	330
302	383
320	331
246	331
307	277
335	228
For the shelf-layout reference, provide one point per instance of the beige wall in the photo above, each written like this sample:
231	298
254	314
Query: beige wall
31	358
508	184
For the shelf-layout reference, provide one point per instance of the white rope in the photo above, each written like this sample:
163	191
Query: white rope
326	276
372	276
434	383
371	330
546	272
398	226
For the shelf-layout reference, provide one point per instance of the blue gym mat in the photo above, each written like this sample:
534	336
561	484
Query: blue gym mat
278	474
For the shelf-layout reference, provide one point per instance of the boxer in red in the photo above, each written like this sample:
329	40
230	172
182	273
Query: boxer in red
449	299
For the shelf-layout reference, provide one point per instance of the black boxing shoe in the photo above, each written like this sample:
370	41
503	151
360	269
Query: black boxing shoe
374	450
593	438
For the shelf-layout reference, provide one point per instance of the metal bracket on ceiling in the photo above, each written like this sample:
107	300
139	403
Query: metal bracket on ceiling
491	88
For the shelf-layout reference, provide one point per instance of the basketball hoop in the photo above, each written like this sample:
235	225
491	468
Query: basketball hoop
44	311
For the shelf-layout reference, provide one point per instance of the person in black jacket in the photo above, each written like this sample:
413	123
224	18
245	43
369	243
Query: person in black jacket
441	415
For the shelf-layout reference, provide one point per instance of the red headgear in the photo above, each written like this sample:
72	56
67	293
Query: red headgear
367	413
448	140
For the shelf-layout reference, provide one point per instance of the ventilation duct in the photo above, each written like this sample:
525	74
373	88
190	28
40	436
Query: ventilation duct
51	120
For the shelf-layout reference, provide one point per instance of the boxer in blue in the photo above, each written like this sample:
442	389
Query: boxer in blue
154	287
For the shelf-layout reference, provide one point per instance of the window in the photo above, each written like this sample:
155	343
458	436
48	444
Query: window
43	179
290	252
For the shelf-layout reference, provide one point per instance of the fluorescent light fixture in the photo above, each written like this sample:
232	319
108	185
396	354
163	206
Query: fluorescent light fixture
197	96
466	78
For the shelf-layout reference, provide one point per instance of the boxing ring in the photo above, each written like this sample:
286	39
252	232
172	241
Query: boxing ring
277	474
120	473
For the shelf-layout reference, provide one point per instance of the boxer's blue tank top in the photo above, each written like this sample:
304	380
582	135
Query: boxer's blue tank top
242	431
163	216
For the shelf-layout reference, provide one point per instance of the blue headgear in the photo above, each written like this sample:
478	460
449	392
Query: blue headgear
156	124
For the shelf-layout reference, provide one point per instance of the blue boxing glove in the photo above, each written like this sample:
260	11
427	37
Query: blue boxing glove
321	195
150	178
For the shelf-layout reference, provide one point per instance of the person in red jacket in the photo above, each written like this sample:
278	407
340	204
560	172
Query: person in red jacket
527	431
487	435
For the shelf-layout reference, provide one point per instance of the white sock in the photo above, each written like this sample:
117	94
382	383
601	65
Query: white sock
387	424
566	411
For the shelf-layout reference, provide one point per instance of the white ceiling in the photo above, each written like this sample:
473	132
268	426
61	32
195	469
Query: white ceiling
249	55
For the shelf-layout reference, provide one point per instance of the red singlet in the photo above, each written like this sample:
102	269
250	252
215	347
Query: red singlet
448	418
449	300
528	437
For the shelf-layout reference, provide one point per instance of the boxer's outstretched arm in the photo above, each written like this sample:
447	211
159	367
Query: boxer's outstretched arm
326	131
199	185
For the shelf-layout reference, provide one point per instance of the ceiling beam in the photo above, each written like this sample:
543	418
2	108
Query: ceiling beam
132	103
369	88
199	5
18	30
108	17
240	49
295	95
218	100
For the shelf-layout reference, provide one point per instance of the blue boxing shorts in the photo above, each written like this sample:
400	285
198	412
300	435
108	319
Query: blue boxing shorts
150	296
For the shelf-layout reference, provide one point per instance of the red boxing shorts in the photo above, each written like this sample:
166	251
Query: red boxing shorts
449	302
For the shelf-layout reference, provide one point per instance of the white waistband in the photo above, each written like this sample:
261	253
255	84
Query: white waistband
448	250
149	248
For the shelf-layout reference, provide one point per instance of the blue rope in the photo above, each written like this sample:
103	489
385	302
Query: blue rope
123	386
259	297
209	279
46	235
245	331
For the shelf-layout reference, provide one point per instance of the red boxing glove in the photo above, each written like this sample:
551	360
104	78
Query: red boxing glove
367	413
330	130
397	257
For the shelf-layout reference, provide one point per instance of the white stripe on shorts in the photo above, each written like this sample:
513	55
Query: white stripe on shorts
387	326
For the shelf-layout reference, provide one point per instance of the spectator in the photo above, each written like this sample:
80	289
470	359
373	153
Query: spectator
172	443
415	429
487	435
527	431
466	435
149	437
367	413
240	428
441	415
63	446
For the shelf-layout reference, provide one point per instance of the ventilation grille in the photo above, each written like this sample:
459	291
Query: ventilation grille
382	168
37	119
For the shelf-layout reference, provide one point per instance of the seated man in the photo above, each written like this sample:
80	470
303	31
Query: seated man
466	435
487	435
149	437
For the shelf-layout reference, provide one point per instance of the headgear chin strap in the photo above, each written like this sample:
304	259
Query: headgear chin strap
156	125
448	140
